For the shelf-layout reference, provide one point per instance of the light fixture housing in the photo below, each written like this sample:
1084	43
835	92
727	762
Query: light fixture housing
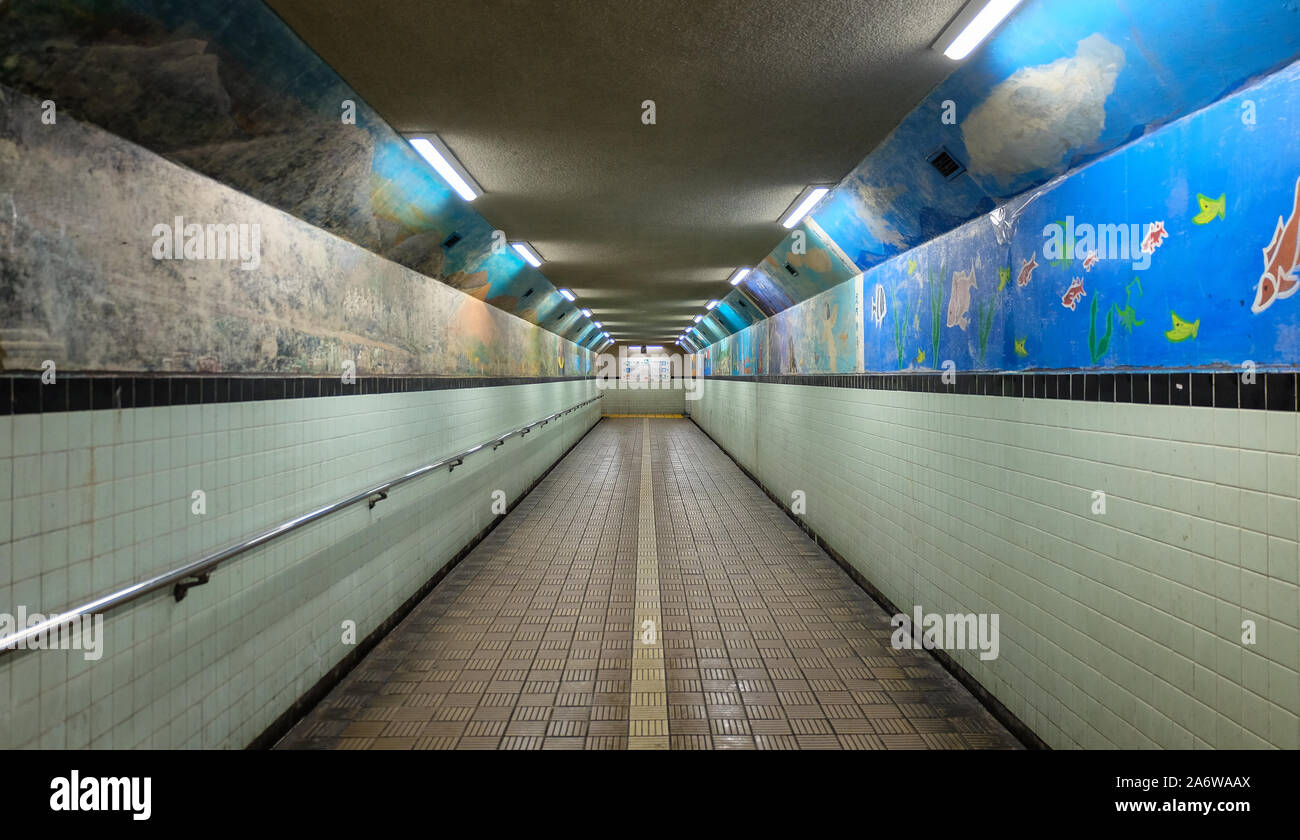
567	295
738	276
699	318
586	313
528	252
435	152
804	204
975	22
711	305
598	324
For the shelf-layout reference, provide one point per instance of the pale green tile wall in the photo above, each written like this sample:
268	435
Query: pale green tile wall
1120	630
91	501
644	401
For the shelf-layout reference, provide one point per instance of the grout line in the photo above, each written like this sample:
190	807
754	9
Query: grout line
647	726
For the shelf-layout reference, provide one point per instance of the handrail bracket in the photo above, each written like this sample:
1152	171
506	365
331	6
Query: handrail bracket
186	584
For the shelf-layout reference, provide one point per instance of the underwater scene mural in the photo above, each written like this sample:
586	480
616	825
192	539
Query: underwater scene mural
230	91
1060	84
1180	250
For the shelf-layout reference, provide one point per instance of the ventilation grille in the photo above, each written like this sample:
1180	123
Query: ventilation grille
451	240
946	165
794	272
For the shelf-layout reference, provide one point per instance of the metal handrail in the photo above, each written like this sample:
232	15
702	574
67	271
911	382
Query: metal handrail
196	572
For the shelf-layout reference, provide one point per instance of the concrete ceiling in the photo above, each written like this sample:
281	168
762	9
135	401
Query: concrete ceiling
541	101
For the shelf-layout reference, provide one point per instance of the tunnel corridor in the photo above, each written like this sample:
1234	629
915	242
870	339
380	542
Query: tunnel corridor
913	382
763	642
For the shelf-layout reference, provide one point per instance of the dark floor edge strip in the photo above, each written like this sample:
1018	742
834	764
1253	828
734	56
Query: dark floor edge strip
304	705
1026	736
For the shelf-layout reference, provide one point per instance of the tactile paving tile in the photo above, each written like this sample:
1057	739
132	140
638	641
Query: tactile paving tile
534	641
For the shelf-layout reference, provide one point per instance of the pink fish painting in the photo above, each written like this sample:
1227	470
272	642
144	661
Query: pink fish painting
1281	258
1072	294
1089	261
959	302
1155	235
1026	271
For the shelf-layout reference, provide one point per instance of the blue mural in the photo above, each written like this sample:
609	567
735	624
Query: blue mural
1060	84
1180	250
1177	251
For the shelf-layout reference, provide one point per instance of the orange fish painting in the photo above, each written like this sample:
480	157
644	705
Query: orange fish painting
1090	261
1281	258
1072	294
1026	271
1155	235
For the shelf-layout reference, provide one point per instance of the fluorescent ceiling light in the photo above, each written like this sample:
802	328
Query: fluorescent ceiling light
586	313
738	276
654	347
972	25
598	324
711	304
568	295
432	149
526	251
699	318
804	203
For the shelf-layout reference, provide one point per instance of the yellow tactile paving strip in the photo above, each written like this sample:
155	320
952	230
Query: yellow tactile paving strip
648	709
535	640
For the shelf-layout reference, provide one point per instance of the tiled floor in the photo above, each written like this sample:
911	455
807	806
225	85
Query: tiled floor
528	643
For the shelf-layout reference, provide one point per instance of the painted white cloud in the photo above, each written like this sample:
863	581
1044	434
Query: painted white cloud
1033	118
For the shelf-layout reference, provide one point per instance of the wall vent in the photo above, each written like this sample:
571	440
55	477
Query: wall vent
947	165
793	271
527	293
451	240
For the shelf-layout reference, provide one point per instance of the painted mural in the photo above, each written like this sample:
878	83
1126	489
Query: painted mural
115	259
229	90
1062	83
1179	251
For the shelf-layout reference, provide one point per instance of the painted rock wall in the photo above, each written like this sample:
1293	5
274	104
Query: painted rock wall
98	276
229	90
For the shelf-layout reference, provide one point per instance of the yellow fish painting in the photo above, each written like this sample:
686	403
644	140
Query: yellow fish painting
1020	347
1210	207
920	357
1182	329
1004	275
911	267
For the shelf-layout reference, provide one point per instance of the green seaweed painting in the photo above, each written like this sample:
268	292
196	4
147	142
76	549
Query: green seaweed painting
936	309
986	310
1098	346
901	317
1127	315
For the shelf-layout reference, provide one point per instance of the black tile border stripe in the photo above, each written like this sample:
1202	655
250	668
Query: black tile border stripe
1018	728
25	394
1269	391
